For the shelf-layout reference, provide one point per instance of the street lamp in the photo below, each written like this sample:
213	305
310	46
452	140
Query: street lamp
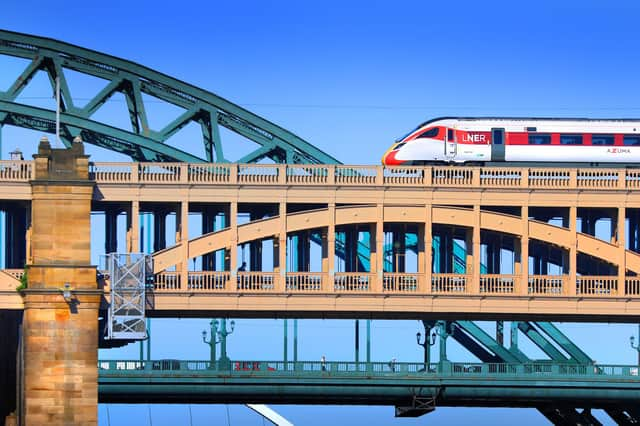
212	342
218	334
632	339
426	345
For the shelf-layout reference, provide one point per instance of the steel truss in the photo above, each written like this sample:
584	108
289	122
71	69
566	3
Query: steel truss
141	143
489	350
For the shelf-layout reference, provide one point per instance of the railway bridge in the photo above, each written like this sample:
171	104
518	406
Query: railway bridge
304	237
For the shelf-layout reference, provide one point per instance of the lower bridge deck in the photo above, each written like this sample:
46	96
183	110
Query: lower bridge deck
373	383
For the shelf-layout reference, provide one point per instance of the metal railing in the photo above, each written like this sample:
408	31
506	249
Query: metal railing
529	370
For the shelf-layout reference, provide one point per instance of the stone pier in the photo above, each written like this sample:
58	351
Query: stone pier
61	301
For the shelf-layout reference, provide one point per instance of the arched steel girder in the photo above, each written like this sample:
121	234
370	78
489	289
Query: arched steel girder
298	221
132	80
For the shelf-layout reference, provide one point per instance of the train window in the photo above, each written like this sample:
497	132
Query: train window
630	140
570	139
536	139
602	140
431	133
450	136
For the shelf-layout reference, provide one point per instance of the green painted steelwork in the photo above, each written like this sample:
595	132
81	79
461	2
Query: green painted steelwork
577	354
133	81
473	384
488	342
542	343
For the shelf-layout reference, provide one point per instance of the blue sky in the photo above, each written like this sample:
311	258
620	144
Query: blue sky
350	77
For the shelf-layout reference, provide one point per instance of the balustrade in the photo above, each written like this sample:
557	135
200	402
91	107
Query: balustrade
392	283
498	284
596	286
547	284
256	281
298	282
453	176
16	171
449	283
400	282
352	282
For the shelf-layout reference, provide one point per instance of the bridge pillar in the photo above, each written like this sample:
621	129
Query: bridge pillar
573	250
377	236
280	248
621	237
524	251
476	241
427	238
133	227
182	238
60	331
231	258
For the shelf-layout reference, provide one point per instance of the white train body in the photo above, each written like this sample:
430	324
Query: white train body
480	140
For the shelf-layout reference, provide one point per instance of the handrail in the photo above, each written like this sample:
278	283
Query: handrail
469	370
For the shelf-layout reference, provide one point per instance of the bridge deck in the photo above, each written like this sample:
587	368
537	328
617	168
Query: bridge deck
373	196
455	384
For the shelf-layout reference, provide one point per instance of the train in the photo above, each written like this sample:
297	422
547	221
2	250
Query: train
480	141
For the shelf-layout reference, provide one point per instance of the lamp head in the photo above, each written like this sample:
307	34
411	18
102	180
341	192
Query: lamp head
632	339
233	325
66	291
418	336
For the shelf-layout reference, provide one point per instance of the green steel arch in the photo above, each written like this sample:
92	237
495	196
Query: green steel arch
132	80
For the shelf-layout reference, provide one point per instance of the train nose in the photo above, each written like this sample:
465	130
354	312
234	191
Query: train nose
389	158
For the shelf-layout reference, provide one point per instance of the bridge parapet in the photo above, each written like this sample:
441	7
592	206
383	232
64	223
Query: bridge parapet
437	176
305	175
555	286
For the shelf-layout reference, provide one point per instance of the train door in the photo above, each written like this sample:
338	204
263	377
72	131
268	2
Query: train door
497	144
450	145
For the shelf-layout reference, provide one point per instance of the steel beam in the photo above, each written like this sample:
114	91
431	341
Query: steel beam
563	341
541	342
489	342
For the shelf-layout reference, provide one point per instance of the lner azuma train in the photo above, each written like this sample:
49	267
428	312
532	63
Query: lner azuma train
519	140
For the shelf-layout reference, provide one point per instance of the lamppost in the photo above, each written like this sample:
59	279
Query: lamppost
223	333
218	334
636	347
426	345
212	342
